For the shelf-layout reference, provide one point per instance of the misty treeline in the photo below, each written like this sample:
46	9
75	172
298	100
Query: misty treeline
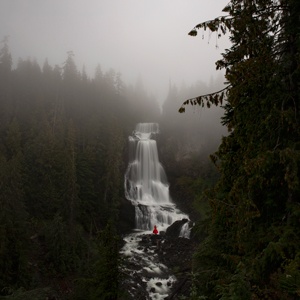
63	155
61	168
185	143
252	250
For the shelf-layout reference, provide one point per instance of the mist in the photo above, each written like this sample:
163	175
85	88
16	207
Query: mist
75	79
136	38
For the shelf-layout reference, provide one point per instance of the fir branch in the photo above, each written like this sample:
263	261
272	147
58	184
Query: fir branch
196	100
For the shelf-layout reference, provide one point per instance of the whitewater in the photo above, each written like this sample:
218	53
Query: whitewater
147	187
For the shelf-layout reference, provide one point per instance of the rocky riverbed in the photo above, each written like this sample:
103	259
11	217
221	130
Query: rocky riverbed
158	265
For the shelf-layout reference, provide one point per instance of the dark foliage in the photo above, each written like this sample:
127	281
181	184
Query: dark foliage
102	280
252	251
62	147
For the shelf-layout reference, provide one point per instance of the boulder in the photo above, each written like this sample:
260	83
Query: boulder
174	229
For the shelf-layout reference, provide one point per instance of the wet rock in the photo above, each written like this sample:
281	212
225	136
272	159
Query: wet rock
173	252
135	287
173	231
145	239
162	233
148	273
154	237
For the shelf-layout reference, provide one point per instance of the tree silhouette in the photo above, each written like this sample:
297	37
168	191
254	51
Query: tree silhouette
254	236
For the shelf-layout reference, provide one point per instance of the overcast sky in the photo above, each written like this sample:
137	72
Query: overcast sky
131	36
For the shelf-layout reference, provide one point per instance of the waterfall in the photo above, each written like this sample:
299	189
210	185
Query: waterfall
185	231
146	184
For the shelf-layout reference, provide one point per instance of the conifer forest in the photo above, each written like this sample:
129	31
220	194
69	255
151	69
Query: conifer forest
231	155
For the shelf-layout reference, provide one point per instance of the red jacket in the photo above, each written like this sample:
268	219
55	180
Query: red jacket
155	230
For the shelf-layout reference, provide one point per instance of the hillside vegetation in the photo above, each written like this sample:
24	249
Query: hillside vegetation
253	247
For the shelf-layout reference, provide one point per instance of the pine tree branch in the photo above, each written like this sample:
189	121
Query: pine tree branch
211	94
196	100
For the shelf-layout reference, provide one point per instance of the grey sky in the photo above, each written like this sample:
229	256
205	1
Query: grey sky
131	36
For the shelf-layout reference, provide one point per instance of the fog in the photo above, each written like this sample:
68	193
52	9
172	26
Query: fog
134	37
65	117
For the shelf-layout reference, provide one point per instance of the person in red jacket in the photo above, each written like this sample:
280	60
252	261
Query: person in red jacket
155	230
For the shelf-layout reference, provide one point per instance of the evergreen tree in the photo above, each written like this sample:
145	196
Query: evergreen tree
61	171
71	79
6	108
26	87
113	177
70	177
105	275
42	152
254	236
86	178
13	232
98	74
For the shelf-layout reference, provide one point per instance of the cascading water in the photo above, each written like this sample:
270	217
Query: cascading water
146	184
185	231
